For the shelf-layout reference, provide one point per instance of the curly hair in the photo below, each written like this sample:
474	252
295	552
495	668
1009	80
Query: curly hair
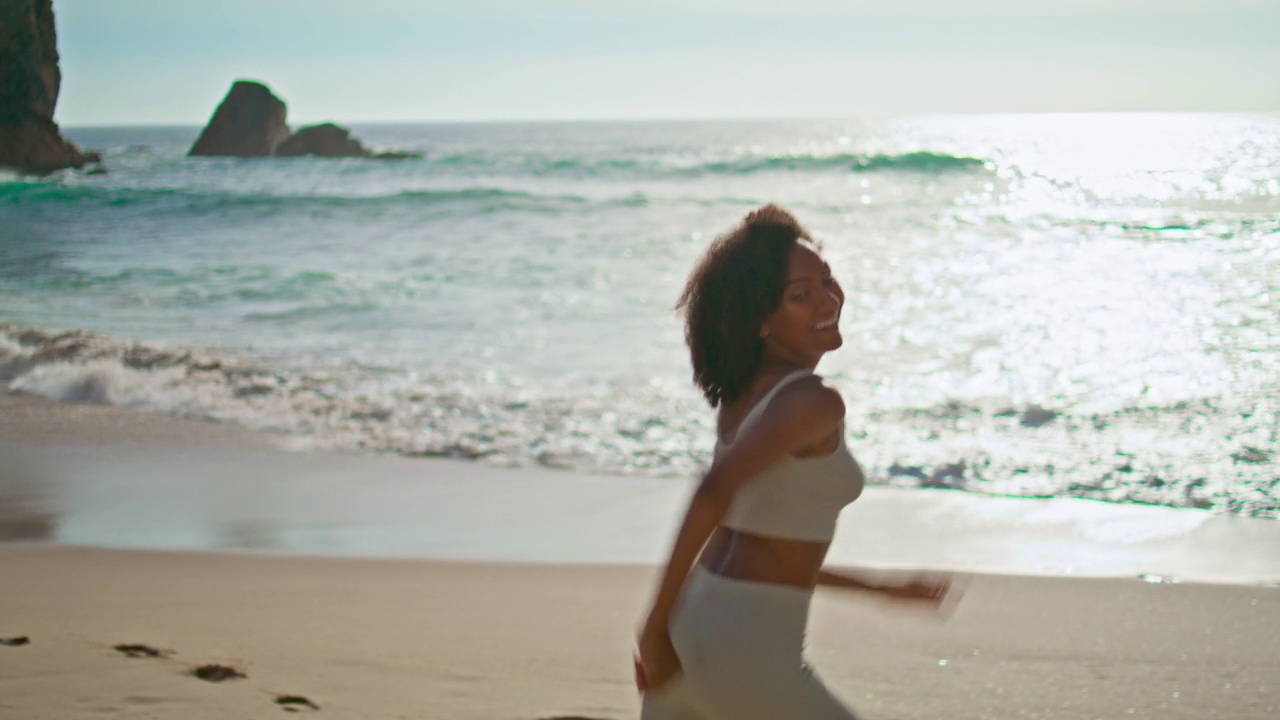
735	285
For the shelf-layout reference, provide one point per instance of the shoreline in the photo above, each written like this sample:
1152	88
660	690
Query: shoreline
102	476
416	588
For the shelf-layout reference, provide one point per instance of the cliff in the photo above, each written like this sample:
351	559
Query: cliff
30	140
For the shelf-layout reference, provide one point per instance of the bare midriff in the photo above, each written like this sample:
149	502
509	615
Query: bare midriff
745	556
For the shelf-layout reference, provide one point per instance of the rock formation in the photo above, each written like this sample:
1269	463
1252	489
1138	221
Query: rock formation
29	81
327	140
250	122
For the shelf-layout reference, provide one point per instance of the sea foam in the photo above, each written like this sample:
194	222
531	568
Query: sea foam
993	449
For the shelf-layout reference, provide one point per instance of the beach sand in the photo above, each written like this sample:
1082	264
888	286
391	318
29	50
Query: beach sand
421	639
412	637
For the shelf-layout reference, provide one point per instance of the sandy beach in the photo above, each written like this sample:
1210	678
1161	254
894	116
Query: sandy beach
420	639
469	637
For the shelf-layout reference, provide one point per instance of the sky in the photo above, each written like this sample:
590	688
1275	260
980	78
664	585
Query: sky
170	62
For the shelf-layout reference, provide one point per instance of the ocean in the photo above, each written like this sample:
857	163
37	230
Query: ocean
1080	305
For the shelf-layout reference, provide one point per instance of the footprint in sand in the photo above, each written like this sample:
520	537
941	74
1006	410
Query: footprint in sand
295	703
16	641
217	673
208	673
141	651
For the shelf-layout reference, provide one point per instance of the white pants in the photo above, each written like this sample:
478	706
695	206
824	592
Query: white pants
741	646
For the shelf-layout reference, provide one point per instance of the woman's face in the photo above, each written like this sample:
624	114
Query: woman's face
806	324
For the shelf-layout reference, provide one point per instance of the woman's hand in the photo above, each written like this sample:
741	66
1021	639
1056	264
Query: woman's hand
656	662
923	592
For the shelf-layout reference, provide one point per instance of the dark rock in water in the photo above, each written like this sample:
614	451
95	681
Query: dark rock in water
947	476
35	146
1249	454
915	471
30	140
1035	416
327	140
397	155
250	122
217	673
330	140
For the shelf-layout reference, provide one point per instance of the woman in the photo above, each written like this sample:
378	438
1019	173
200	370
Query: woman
724	638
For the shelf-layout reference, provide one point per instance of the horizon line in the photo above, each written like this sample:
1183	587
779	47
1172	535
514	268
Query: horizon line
676	119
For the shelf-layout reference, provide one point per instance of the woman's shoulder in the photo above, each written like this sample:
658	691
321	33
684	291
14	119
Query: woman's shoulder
809	393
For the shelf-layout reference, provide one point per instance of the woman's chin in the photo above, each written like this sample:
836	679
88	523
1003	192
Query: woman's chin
833	342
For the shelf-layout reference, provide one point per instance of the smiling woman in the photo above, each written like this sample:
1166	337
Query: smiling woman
737	285
725	637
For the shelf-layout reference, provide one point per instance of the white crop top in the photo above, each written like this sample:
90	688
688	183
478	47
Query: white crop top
798	498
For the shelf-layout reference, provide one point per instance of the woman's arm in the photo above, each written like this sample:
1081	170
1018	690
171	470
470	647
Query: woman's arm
707	507
929	591
799	416
845	581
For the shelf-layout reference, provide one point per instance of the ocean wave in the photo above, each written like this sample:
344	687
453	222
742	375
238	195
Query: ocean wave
1228	465
228	193
921	161
56	193
294	294
474	200
917	161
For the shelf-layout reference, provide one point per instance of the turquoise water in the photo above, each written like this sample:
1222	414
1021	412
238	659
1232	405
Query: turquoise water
1080	305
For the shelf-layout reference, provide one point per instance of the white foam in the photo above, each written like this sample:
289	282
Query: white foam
321	405
107	383
11	356
85	367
